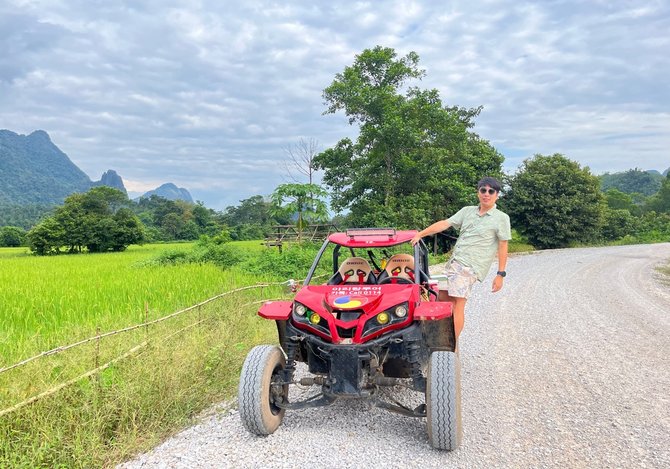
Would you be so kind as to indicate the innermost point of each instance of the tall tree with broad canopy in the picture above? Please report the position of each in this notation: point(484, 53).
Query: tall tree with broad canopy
point(98, 220)
point(554, 202)
point(415, 161)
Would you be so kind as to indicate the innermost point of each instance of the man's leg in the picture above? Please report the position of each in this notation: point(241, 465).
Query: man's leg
point(458, 310)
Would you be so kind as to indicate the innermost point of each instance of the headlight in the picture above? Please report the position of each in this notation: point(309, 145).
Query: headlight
point(315, 318)
point(393, 315)
point(383, 318)
point(400, 311)
point(300, 310)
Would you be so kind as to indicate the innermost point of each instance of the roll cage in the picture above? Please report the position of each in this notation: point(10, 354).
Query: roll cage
point(359, 241)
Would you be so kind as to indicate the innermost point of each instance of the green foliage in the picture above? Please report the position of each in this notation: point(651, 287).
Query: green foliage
point(618, 200)
point(554, 202)
point(293, 261)
point(251, 219)
point(415, 161)
point(302, 201)
point(46, 237)
point(34, 171)
point(632, 181)
point(618, 223)
point(23, 216)
point(660, 202)
point(222, 255)
point(177, 220)
point(214, 250)
point(12, 236)
point(217, 251)
point(654, 227)
point(170, 257)
point(96, 220)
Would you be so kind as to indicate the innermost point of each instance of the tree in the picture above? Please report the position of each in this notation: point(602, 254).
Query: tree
point(251, 219)
point(97, 220)
point(554, 202)
point(301, 201)
point(415, 160)
point(46, 237)
point(618, 200)
point(12, 236)
point(618, 223)
point(660, 202)
point(300, 159)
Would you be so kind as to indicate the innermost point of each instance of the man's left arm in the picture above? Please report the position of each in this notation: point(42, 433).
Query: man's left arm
point(502, 263)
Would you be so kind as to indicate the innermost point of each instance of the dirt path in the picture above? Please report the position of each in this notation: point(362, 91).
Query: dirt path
point(567, 366)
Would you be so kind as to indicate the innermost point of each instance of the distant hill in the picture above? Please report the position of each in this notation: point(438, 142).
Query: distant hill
point(36, 176)
point(34, 171)
point(171, 192)
point(111, 179)
point(633, 181)
point(664, 173)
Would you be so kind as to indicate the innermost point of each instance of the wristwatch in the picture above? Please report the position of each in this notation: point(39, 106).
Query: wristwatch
point(502, 273)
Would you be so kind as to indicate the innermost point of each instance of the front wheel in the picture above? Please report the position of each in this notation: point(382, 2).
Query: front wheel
point(260, 390)
point(443, 401)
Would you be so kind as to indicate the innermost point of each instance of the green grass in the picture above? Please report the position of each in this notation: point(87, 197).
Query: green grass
point(48, 301)
point(188, 362)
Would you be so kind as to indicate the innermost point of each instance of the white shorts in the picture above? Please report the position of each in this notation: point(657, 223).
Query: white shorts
point(460, 280)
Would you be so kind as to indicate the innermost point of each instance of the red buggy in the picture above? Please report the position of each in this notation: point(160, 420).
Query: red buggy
point(375, 322)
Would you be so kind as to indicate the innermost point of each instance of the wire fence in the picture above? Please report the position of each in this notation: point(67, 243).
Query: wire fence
point(290, 284)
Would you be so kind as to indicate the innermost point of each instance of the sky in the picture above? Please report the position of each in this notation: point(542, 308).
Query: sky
point(210, 94)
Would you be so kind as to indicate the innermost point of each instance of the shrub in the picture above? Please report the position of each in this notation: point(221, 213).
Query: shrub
point(12, 236)
point(293, 262)
point(221, 255)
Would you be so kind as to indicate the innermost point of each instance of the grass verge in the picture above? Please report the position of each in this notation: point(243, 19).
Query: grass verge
point(180, 366)
point(187, 364)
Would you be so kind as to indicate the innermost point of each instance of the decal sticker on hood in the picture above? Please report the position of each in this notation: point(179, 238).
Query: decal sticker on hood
point(353, 296)
point(349, 302)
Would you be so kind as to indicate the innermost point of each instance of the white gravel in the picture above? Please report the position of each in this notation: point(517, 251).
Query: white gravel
point(567, 366)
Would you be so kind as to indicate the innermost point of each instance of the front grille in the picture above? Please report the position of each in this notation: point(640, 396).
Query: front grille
point(346, 333)
point(348, 315)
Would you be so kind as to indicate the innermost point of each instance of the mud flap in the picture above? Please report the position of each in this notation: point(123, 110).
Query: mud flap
point(439, 335)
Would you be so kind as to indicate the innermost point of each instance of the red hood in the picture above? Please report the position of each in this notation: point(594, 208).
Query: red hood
point(369, 298)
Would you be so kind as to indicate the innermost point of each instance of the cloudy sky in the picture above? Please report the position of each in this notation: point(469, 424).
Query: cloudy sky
point(208, 94)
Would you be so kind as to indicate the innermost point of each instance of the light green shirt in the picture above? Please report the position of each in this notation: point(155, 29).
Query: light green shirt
point(477, 243)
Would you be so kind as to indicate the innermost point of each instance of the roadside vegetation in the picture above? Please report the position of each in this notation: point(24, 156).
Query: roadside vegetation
point(665, 272)
point(179, 366)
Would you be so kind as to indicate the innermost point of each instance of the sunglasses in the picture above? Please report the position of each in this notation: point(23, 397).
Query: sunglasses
point(484, 190)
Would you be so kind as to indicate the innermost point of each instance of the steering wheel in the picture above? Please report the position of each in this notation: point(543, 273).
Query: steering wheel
point(386, 280)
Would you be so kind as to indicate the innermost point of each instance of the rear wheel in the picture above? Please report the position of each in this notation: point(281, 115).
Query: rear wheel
point(443, 401)
point(259, 393)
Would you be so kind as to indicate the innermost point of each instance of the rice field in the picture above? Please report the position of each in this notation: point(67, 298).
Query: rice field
point(58, 411)
point(50, 301)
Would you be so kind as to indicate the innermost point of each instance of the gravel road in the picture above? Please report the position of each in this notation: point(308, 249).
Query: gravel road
point(567, 366)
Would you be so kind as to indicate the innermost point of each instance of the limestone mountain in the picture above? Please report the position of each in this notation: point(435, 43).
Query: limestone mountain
point(171, 192)
point(35, 171)
point(35, 176)
point(111, 179)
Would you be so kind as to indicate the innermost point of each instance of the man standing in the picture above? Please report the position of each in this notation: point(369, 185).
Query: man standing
point(484, 231)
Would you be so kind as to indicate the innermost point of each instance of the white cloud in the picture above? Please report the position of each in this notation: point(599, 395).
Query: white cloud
point(206, 94)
